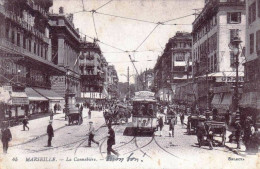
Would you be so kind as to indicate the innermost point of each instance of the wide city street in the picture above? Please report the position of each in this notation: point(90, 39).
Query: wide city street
point(69, 148)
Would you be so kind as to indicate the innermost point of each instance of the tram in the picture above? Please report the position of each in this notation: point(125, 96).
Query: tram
point(144, 113)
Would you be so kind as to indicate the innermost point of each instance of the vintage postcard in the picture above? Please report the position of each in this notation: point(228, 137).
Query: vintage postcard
point(165, 84)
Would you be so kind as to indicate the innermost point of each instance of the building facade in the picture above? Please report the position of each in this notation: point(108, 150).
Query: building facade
point(213, 61)
point(25, 62)
point(250, 101)
point(112, 82)
point(173, 67)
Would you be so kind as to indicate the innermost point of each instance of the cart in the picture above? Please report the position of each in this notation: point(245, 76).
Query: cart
point(193, 123)
point(75, 118)
point(218, 128)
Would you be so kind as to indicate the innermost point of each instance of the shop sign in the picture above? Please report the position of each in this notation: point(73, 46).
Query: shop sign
point(229, 79)
point(19, 101)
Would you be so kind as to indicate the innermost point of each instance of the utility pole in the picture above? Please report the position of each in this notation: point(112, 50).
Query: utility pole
point(128, 82)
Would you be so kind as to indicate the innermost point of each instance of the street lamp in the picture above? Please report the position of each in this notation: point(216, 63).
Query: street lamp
point(234, 46)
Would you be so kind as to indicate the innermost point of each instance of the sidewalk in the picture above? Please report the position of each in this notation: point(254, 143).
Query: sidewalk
point(38, 128)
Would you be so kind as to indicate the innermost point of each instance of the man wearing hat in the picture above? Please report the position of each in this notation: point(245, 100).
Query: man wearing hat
point(6, 136)
point(25, 123)
point(50, 133)
point(91, 134)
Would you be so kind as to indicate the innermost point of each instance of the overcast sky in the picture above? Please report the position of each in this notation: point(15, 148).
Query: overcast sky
point(129, 34)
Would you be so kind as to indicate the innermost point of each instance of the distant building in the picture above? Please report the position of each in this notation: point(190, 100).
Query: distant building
point(173, 67)
point(112, 82)
point(145, 80)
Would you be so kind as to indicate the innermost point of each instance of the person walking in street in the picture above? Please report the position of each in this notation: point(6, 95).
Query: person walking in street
point(171, 127)
point(209, 136)
point(161, 125)
point(50, 133)
point(51, 114)
point(111, 141)
point(182, 119)
point(6, 136)
point(91, 134)
point(25, 123)
point(89, 114)
point(55, 108)
point(227, 115)
point(238, 134)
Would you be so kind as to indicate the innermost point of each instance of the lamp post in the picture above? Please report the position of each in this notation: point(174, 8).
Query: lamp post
point(234, 45)
point(66, 93)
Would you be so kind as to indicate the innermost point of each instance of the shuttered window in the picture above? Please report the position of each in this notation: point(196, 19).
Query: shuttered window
point(234, 33)
point(258, 8)
point(251, 43)
point(258, 42)
point(233, 17)
point(252, 13)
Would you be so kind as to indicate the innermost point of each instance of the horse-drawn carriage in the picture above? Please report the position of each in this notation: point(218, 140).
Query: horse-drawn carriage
point(213, 128)
point(118, 115)
point(193, 123)
point(74, 116)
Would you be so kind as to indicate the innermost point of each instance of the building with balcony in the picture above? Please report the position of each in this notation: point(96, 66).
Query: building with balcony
point(25, 61)
point(92, 65)
point(173, 67)
point(65, 52)
point(113, 92)
point(213, 61)
point(250, 101)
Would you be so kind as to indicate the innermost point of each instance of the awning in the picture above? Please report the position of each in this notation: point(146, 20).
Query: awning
point(216, 99)
point(4, 96)
point(49, 94)
point(19, 98)
point(33, 95)
point(226, 101)
point(250, 99)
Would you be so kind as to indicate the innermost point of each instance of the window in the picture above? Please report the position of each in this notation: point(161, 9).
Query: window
point(180, 57)
point(12, 36)
point(7, 31)
point(252, 13)
point(234, 17)
point(30, 45)
point(234, 33)
point(258, 42)
point(258, 8)
point(251, 43)
point(18, 39)
point(34, 48)
point(232, 59)
point(24, 42)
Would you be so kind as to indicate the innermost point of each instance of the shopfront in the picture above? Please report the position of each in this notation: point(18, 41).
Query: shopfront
point(37, 103)
point(53, 98)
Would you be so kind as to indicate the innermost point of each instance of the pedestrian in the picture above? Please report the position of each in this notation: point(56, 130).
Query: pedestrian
point(50, 133)
point(91, 134)
point(227, 117)
point(171, 127)
point(25, 122)
point(209, 131)
point(238, 134)
point(182, 119)
point(55, 108)
point(89, 114)
point(111, 141)
point(161, 125)
point(6, 136)
point(51, 114)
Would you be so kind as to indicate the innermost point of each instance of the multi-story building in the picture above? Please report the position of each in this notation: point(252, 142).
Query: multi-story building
point(213, 61)
point(91, 67)
point(145, 80)
point(65, 51)
point(251, 91)
point(174, 66)
point(24, 49)
point(112, 82)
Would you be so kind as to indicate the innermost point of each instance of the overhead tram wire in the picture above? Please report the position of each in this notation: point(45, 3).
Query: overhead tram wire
point(94, 24)
point(103, 5)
